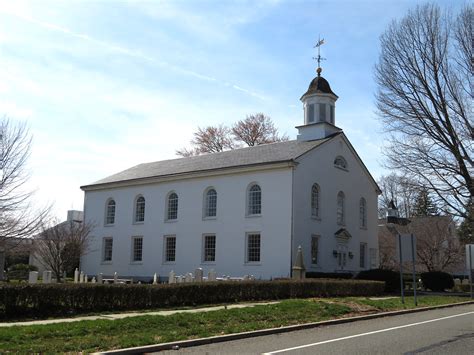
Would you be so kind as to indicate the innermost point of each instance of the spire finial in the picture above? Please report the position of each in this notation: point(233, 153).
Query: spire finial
point(319, 58)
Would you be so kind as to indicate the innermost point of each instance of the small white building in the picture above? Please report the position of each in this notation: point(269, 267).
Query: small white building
point(241, 212)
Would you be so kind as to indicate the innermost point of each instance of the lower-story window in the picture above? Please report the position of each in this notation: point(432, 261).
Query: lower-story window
point(170, 248)
point(363, 251)
point(137, 248)
point(253, 247)
point(314, 249)
point(209, 248)
point(373, 258)
point(108, 244)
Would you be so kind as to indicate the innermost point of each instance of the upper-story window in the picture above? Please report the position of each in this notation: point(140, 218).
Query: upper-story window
point(315, 200)
point(210, 203)
point(172, 207)
point(310, 113)
point(140, 209)
point(254, 200)
point(332, 108)
point(362, 213)
point(322, 112)
point(340, 162)
point(110, 212)
point(340, 208)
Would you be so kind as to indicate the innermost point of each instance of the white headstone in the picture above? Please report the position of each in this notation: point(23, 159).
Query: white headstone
point(45, 277)
point(76, 275)
point(211, 276)
point(198, 275)
point(81, 277)
point(155, 278)
point(85, 278)
point(33, 277)
point(99, 278)
point(171, 277)
point(93, 280)
point(188, 277)
point(115, 277)
point(179, 279)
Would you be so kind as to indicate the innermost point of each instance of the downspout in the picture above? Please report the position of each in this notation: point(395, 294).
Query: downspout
point(292, 216)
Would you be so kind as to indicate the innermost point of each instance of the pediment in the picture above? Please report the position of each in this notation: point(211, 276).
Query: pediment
point(342, 235)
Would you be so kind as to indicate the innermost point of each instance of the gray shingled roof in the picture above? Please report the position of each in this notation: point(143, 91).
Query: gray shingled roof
point(261, 154)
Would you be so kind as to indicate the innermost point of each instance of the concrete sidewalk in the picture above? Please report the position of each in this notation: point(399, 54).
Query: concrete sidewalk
point(115, 316)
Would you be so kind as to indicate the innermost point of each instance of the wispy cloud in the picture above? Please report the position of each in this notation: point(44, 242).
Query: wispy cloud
point(128, 52)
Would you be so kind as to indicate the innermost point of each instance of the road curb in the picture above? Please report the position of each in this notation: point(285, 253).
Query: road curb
point(262, 332)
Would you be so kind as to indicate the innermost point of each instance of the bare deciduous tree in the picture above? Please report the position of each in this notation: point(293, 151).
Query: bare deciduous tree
point(61, 246)
point(401, 190)
point(254, 130)
point(424, 98)
point(18, 218)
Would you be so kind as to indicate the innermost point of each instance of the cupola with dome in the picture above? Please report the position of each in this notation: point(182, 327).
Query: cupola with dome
point(319, 104)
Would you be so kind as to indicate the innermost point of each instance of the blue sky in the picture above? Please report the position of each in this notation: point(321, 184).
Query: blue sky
point(105, 85)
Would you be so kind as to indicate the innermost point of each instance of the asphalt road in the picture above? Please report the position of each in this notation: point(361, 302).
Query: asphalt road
point(443, 331)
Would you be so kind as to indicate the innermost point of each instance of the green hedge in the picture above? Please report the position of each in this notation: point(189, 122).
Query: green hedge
point(437, 280)
point(18, 301)
point(391, 278)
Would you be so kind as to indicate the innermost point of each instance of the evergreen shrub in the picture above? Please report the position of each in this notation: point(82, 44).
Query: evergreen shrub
point(437, 280)
point(42, 300)
point(390, 277)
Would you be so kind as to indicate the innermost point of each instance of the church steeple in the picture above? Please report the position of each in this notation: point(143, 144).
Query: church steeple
point(319, 104)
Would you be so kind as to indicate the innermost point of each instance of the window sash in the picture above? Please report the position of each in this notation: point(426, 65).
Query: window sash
point(211, 204)
point(310, 113)
point(315, 201)
point(253, 248)
point(137, 249)
point(363, 213)
point(322, 112)
point(314, 249)
point(209, 248)
point(172, 207)
point(255, 200)
point(170, 249)
point(373, 258)
point(110, 217)
point(108, 247)
point(363, 249)
point(140, 210)
point(340, 208)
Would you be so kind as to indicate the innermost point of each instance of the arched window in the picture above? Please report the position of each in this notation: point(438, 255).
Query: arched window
point(140, 209)
point(340, 207)
point(110, 212)
point(210, 203)
point(172, 207)
point(254, 205)
point(363, 213)
point(315, 200)
point(340, 162)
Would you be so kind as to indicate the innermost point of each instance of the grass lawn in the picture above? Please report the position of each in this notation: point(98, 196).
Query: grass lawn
point(89, 336)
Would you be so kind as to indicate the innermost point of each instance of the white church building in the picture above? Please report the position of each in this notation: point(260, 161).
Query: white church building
point(243, 211)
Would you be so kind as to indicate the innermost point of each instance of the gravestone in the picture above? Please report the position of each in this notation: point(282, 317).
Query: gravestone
point(76, 275)
point(33, 277)
point(155, 279)
point(115, 277)
point(81, 277)
point(198, 275)
point(99, 278)
point(93, 280)
point(188, 277)
point(171, 277)
point(211, 276)
point(46, 277)
point(85, 278)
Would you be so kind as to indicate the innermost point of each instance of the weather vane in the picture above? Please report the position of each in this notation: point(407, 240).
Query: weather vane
point(319, 58)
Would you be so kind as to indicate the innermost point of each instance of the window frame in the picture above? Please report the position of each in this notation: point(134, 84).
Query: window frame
point(133, 250)
point(207, 204)
point(167, 207)
point(341, 221)
point(204, 248)
point(107, 205)
point(315, 210)
point(247, 250)
point(311, 117)
point(344, 166)
point(373, 258)
point(104, 245)
point(136, 209)
point(165, 248)
point(249, 199)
